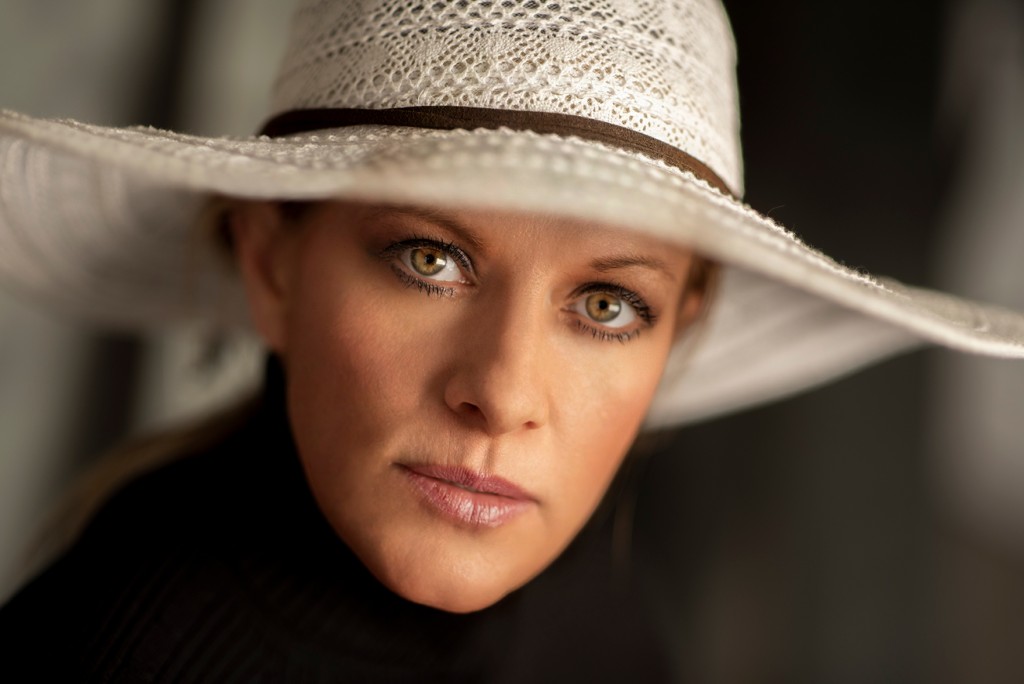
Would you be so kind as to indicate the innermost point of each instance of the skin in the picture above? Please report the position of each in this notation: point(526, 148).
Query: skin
point(496, 366)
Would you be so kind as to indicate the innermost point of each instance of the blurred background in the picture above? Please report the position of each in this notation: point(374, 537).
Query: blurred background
point(869, 531)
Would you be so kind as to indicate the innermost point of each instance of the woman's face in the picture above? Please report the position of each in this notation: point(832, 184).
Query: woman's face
point(462, 385)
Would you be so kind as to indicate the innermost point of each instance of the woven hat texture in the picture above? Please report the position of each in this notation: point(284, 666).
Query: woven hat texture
point(665, 69)
point(100, 221)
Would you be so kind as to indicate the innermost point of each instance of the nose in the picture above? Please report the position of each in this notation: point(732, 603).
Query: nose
point(498, 379)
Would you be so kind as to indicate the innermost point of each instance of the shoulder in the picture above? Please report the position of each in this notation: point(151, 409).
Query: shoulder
point(176, 492)
point(158, 540)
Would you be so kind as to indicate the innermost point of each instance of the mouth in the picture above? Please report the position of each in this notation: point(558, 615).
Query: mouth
point(466, 497)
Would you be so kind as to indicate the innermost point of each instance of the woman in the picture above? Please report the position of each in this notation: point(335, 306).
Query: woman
point(489, 372)
point(489, 273)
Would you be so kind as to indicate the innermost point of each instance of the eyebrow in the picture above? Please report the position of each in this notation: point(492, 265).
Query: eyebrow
point(464, 234)
point(632, 261)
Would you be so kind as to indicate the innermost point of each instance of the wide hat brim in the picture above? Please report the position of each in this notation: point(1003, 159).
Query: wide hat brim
point(99, 221)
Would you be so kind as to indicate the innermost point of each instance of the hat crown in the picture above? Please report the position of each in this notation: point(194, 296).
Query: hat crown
point(664, 69)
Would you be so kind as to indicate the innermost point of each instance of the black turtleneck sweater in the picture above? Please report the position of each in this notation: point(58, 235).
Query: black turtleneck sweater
point(219, 567)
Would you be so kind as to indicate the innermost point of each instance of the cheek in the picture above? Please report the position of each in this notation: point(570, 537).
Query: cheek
point(347, 363)
point(599, 423)
point(353, 384)
point(348, 352)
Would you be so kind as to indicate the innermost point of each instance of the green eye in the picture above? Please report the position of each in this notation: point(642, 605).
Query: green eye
point(427, 261)
point(603, 307)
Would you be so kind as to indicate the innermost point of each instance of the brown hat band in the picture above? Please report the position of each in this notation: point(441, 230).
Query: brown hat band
point(449, 118)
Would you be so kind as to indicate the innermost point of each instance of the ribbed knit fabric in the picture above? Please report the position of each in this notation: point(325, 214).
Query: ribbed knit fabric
point(220, 568)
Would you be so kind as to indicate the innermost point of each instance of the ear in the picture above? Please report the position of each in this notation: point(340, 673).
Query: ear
point(265, 252)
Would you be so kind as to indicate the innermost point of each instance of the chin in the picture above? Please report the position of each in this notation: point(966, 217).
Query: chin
point(454, 602)
point(460, 587)
point(450, 592)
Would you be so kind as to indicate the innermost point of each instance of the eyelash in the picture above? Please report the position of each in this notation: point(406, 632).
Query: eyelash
point(425, 286)
point(392, 251)
point(643, 311)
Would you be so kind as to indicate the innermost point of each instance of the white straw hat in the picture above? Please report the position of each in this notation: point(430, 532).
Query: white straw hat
point(618, 111)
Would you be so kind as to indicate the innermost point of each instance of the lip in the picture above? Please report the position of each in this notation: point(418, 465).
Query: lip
point(466, 497)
